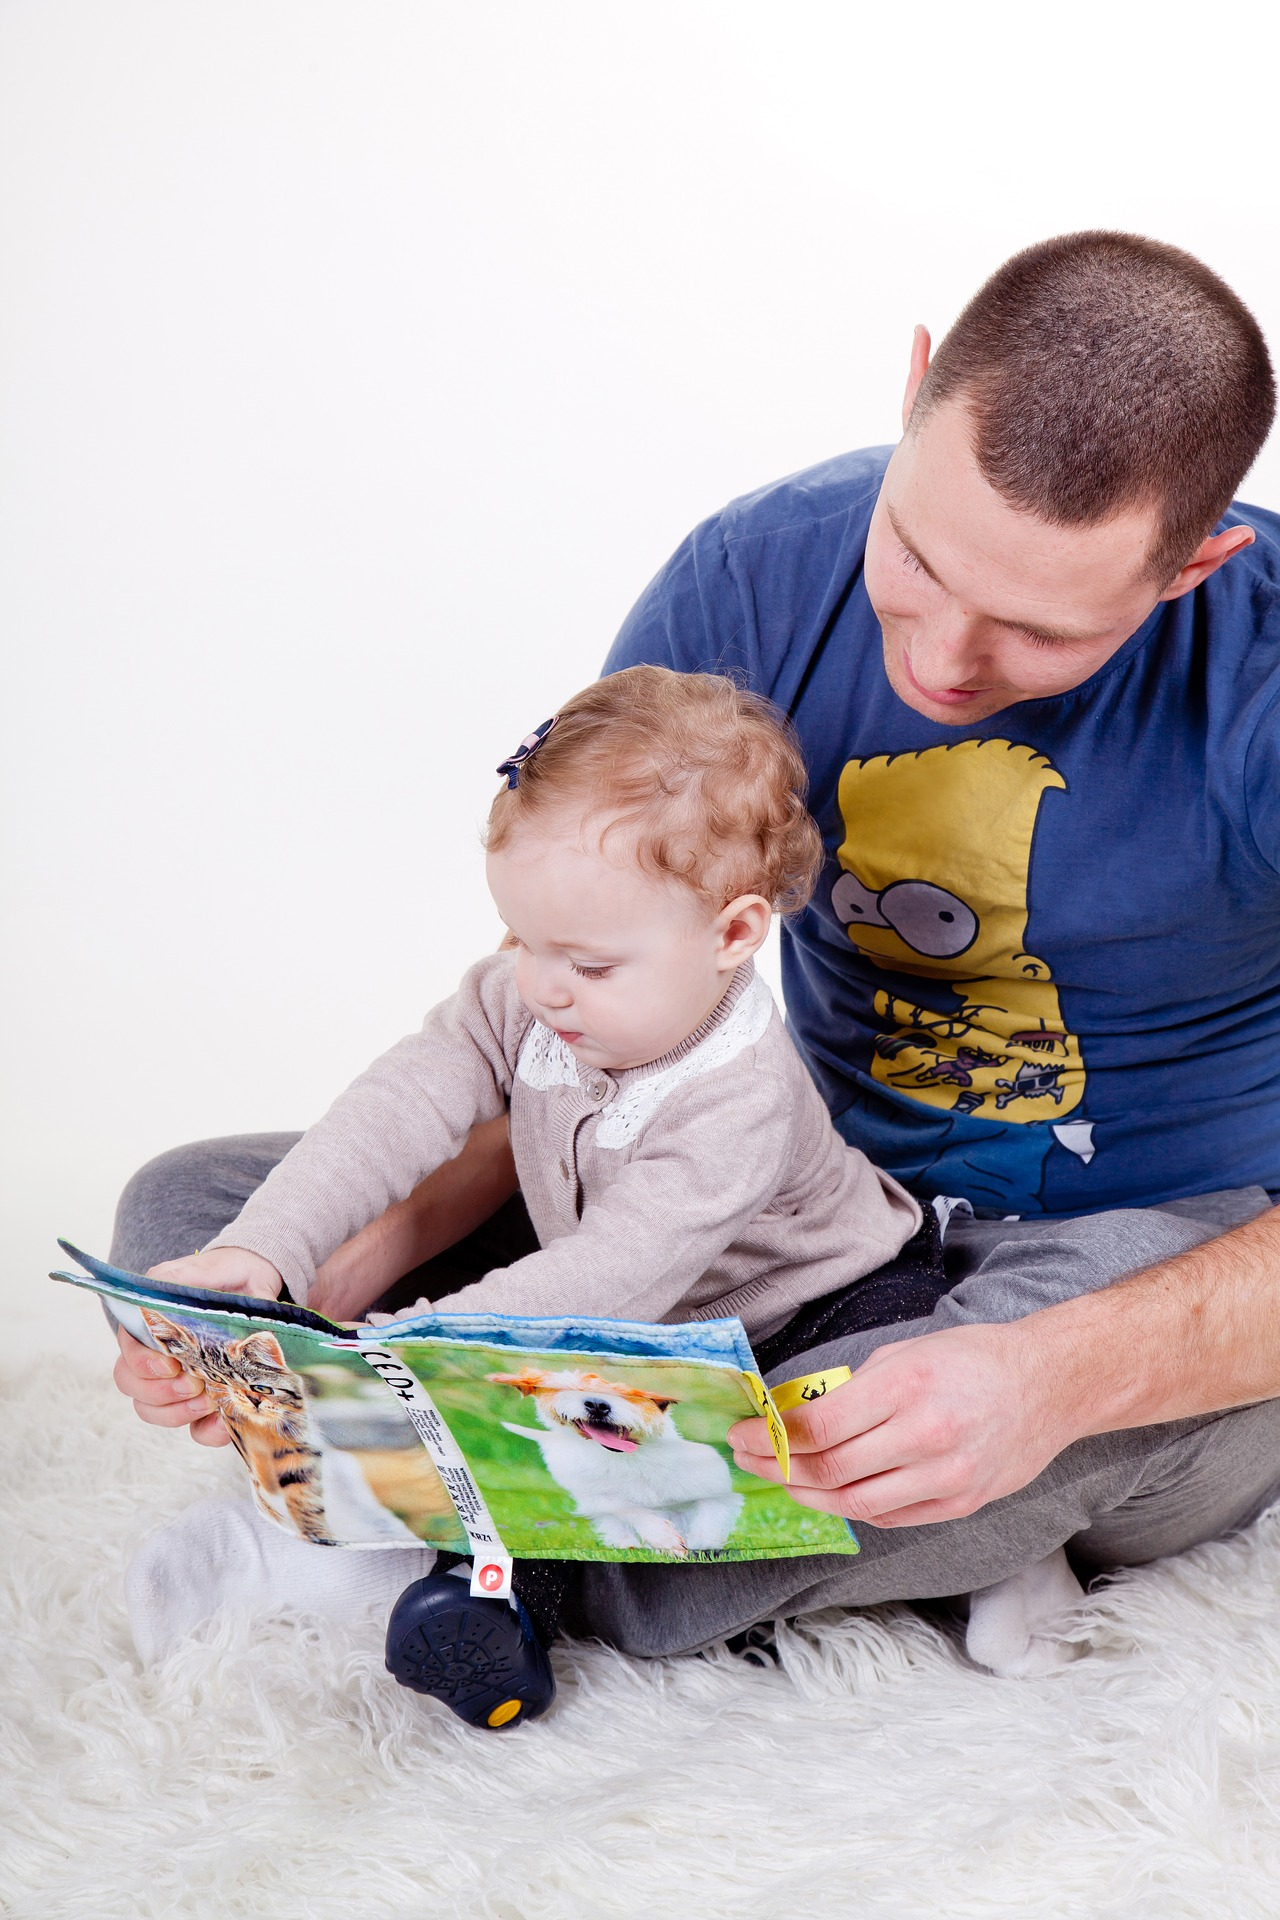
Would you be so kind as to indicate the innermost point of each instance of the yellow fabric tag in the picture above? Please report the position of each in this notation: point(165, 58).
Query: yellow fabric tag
point(773, 1420)
point(810, 1386)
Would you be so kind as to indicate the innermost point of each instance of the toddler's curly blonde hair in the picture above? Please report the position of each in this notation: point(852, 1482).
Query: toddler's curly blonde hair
point(707, 777)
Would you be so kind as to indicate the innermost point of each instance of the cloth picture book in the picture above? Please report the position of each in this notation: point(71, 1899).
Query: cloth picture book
point(487, 1434)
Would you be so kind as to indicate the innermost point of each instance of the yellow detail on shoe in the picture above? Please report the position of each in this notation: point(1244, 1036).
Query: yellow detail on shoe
point(507, 1711)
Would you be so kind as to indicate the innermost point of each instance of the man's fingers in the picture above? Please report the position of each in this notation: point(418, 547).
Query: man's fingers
point(930, 1447)
point(751, 1436)
point(872, 1396)
point(907, 1498)
point(859, 1405)
point(763, 1463)
point(850, 1452)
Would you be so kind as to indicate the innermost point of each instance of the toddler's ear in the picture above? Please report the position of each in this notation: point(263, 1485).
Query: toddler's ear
point(743, 927)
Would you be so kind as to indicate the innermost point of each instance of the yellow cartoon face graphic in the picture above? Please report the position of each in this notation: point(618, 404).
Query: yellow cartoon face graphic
point(935, 859)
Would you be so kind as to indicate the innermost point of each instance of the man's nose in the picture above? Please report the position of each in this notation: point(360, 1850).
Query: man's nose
point(949, 649)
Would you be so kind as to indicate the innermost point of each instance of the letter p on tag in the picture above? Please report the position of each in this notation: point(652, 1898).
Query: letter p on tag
point(491, 1576)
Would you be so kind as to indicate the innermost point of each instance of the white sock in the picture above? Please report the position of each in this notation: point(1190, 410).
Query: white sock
point(1014, 1627)
point(222, 1553)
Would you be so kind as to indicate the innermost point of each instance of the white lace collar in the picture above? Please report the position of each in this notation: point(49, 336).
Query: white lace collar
point(545, 1061)
point(736, 1023)
point(636, 1102)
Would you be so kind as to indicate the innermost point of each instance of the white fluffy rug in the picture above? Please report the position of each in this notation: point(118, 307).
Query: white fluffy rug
point(272, 1769)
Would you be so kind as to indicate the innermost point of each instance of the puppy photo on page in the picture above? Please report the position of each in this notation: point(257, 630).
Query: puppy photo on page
point(631, 1474)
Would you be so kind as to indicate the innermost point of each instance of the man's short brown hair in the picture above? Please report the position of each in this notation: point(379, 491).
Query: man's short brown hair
point(1105, 371)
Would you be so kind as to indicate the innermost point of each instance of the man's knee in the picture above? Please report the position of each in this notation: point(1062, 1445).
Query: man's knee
point(1202, 1480)
point(177, 1201)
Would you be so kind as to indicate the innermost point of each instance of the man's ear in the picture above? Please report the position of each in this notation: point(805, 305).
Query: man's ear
point(921, 346)
point(1207, 558)
point(743, 927)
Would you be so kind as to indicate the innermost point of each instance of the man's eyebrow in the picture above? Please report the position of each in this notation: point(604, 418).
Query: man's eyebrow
point(1061, 634)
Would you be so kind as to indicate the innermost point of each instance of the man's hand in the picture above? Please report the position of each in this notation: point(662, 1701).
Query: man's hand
point(927, 1429)
point(162, 1394)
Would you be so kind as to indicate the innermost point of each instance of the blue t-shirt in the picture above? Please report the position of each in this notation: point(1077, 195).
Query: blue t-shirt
point(1042, 966)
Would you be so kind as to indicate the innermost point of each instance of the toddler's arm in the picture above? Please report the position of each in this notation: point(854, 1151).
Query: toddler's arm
point(407, 1115)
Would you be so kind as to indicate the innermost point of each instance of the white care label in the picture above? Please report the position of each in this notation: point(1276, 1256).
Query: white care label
point(492, 1576)
point(490, 1561)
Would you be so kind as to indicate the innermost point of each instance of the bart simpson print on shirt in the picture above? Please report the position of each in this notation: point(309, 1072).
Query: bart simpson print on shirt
point(936, 859)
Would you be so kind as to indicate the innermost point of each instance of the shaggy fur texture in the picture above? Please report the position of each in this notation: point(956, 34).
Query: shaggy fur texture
point(277, 1770)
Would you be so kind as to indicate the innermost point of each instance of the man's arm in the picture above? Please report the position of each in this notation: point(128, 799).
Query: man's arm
point(936, 1427)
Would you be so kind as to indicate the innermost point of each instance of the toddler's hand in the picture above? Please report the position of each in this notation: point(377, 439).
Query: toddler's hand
point(162, 1394)
point(223, 1270)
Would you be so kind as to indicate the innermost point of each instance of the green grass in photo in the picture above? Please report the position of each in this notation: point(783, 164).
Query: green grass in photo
point(535, 1515)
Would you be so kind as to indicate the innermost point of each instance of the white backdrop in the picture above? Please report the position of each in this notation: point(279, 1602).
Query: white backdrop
point(360, 360)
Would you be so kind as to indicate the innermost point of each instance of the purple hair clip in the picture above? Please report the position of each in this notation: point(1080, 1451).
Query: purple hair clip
point(527, 746)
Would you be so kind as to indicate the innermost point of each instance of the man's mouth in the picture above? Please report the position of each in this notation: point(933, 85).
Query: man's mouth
point(613, 1438)
point(943, 696)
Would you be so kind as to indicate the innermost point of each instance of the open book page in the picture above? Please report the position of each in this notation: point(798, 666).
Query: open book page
point(536, 1438)
point(331, 1453)
point(591, 1454)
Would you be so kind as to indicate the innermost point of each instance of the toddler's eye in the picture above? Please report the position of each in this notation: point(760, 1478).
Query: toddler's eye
point(591, 973)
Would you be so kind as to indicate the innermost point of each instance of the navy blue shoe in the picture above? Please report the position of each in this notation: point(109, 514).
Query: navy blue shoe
point(481, 1656)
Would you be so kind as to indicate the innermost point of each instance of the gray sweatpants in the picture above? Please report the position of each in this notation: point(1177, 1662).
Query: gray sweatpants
point(1118, 1499)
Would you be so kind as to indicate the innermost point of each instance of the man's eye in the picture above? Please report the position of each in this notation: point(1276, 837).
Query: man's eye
point(592, 973)
point(1038, 639)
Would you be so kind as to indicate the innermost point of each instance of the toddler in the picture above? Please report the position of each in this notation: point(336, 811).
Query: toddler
point(675, 1157)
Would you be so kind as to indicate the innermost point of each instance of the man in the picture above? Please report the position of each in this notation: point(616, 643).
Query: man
point(1033, 656)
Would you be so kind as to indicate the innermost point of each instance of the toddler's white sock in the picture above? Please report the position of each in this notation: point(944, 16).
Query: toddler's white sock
point(222, 1553)
point(1014, 1626)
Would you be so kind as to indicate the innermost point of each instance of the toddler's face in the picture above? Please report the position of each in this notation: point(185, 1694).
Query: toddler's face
point(622, 965)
